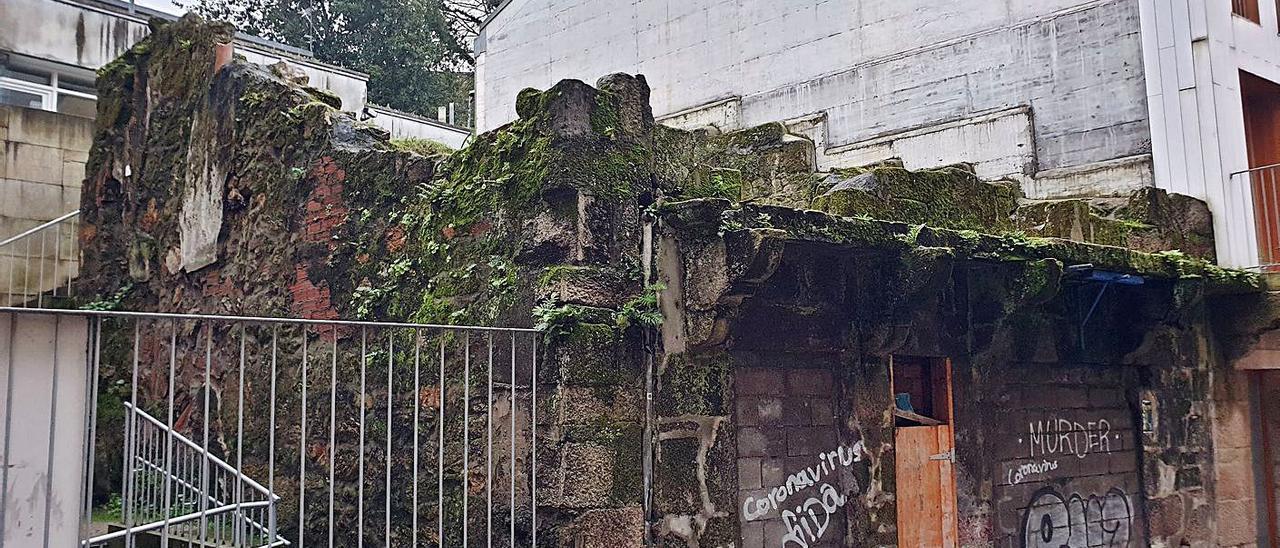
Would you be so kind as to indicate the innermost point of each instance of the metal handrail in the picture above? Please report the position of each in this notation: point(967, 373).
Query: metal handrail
point(37, 229)
point(32, 272)
point(1262, 184)
point(220, 507)
point(262, 319)
point(1254, 169)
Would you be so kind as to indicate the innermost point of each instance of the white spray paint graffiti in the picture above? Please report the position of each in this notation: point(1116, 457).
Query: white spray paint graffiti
point(828, 463)
point(1098, 521)
point(810, 520)
point(1057, 436)
point(1030, 469)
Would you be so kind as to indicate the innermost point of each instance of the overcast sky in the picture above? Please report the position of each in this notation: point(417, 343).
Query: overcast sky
point(162, 5)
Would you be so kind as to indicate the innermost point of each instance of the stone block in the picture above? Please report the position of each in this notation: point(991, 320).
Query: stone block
point(749, 473)
point(611, 528)
point(1237, 522)
point(35, 163)
point(588, 472)
point(1234, 471)
point(759, 381)
point(816, 382)
point(28, 200)
point(759, 411)
point(809, 441)
point(75, 134)
point(37, 127)
point(762, 442)
point(72, 174)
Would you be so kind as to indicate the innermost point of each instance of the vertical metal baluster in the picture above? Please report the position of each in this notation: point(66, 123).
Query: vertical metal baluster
point(466, 438)
point(8, 414)
point(26, 272)
point(40, 281)
point(302, 446)
point(95, 356)
point(131, 441)
point(205, 486)
point(360, 406)
point(488, 459)
point(417, 407)
point(238, 536)
point(440, 456)
point(53, 431)
point(12, 259)
point(168, 443)
point(511, 523)
point(1263, 189)
point(533, 443)
point(1273, 231)
point(333, 425)
point(271, 443)
point(57, 256)
point(391, 352)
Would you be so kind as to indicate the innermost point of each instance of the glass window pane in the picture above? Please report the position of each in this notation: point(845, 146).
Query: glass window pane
point(24, 75)
point(75, 84)
point(20, 98)
point(77, 106)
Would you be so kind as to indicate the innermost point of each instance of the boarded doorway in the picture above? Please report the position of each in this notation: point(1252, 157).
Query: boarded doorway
point(925, 452)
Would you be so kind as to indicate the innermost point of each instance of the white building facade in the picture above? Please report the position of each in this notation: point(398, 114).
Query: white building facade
point(50, 50)
point(1068, 97)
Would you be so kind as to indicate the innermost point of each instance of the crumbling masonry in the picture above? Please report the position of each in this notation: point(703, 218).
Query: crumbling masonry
point(760, 303)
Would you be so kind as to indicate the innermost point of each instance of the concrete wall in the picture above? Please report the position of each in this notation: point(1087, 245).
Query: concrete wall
point(403, 125)
point(872, 68)
point(43, 370)
point(40, 176)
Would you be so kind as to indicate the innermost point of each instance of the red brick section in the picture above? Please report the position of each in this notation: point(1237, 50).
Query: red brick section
point(311, 301)
point(325, 209)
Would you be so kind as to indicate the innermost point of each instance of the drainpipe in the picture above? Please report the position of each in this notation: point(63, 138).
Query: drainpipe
point(650, 349)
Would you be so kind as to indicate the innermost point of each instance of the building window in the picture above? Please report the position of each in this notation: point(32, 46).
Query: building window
point(1247, 9)
point(47, 90)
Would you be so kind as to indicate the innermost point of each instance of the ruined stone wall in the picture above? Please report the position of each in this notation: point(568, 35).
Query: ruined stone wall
point(1064, 455)
point(684, 266)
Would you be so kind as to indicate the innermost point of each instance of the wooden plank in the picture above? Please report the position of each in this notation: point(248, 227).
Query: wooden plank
point(920, 501)
point(947, 484)
point(923, 420)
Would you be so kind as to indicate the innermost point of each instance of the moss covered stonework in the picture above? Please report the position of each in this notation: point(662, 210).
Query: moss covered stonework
point(767, 301)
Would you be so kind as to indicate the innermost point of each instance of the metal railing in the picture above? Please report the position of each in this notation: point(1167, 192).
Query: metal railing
point(1247, 9)
point(40, 263)
point(215, 504)
point(1263, 184)
point(245, 431)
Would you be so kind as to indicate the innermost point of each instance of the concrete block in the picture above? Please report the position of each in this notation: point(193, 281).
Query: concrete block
point(27, 200)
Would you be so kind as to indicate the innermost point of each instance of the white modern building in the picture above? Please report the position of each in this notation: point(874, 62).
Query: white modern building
point(49, 50)
point(1069, 97)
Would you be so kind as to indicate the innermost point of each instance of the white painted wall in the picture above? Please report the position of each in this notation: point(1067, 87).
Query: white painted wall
point(1194, 50)
point(873, 67)
point(43, 374)
point(403, 124)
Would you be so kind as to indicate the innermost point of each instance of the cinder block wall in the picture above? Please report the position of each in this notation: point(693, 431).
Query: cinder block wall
point(40, 176)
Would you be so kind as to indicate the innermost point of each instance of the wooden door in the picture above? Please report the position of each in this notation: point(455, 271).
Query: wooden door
point(926, 487)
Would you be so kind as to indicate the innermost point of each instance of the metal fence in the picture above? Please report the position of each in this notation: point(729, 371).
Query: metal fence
point(1264, 185)
point(40, 263)
point(238, 431)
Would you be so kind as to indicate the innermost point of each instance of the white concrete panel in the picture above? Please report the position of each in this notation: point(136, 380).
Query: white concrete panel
point(45, 364)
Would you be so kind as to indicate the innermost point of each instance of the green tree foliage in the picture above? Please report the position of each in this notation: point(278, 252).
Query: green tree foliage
point(417, 52)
